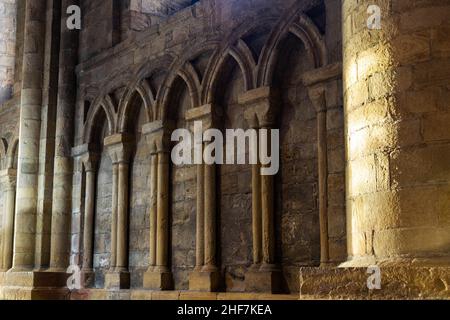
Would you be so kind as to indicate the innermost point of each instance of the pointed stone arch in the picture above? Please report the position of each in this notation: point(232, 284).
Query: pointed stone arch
point(102, 110)
point(234, 47)
point(296, 23)
point(142, 91)
point(183, 69)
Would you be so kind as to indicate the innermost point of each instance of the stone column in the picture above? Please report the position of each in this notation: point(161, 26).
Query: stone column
point(265, 275)
point(158, 275)
point(210, 219)
point(122, 218)
point(162, 221)
point(268, 220)
point(119, 147)
point(63, 170)
point(29, 136)
point(396, 82)
point(322, 88)
point(206, 275)
point(256, 217)
point(200, 219)
point(8, 181)
point(153, 207)
point(47, 139)
point(114, 210)
point(90, 163)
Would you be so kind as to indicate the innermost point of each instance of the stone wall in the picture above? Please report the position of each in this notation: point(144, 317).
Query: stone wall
point(100, 26)
point(7, 47)
point(220, 54)
point(139, 242)
point(11, 14)
point(198, 36)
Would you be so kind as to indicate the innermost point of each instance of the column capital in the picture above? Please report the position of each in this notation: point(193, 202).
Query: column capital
point(157, 135)
point(208, 114)
point(261, 106)
point(90, 161)
point(323, 86)
point(81, 150)
point(119, 147)
point(8, 178)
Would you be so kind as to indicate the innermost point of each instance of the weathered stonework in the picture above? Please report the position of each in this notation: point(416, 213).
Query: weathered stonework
point(85, 146)
point(8, 16)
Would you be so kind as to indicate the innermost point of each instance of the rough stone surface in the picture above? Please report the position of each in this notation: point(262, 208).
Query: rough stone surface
point(8, 17)
point(396, 96)
point(396, 283)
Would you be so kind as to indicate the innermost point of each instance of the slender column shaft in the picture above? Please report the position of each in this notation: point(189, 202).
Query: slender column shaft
point(113, 262)
point(200, 238)
point(122, 218)
point(89, 222)
point(323, 185)
point(267, 209)
point(8, 227)
point(153, 207)
point(29, 135)
point(210, 215)
point(163, 211)
point(268, 239)
point(256, 214)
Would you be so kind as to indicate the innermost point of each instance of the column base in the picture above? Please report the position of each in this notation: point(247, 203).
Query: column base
point(87, 278)
point(117, 280)
point(399, 282)
point(32, 285)
point(160, 280)
point(266, 279)
point(205, 281)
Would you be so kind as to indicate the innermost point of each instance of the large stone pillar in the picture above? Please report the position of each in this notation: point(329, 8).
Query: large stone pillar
point(29, 135)
point(323, 85)
point(119, 147)
point(206, 276)
point(63, 171)
point(47, 136)
point(158, 275)
point(396, 82)
point(8, 183)
point(265, 275)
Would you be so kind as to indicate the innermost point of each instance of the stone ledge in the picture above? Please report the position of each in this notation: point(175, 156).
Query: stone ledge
point(34, 279)
point(396, 283)
point(101, 294)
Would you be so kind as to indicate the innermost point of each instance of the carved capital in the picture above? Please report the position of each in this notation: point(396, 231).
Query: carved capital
point(84, 156)
point(324, 86)
point(208, 114)
point(261, 107)
point(119, 147)
point(157, 135)
point(81, 150)
point(8, 178)
point(90, 161)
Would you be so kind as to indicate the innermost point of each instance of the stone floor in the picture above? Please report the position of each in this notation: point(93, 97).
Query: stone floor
point(401, 282)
